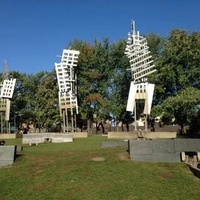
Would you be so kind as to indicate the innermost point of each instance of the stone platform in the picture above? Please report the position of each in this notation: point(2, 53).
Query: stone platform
point(7, 155)
point(10, 135)
point(162, 150)
point(36, 138)
point(141, 134)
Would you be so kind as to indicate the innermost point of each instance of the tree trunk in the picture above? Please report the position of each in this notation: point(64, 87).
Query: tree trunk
point(122, 128)
point(88, 126)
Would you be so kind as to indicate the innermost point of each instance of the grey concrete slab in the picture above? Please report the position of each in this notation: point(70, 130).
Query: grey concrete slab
point(140, 147)
point(187, 145)
point(156, 157)
point(48, 135)
point(32, 138)
point(36, 138)
point(62, 137)
point(106, 144)
point(166, 157)
point(7, 155)
point(162, 150)
point(19, 148)
point(67, 137)
point(163, 145)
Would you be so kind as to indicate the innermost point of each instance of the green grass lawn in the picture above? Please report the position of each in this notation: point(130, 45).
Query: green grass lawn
point(82, 170)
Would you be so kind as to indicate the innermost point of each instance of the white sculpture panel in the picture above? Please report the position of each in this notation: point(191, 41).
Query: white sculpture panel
point(141, 65)
point(8, 88)
point(66, 77)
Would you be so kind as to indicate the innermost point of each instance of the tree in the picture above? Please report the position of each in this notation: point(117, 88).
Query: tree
point(90, 78)
point(178, 64)
point(177, 67)
point(24, 100)
point(46, 109)
point(183, 106)
point(36, 99)
point(119, 83)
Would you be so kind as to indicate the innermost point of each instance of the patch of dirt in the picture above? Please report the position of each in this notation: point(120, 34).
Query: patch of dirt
point(165, 175)
point(123, 156)
point(69, 153)
point(98, 159)
point(40, 163)
point(43, 186)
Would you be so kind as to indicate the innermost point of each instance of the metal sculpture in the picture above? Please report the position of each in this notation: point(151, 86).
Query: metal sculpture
point(67, 79)
point(6, 93)
point(141, 65)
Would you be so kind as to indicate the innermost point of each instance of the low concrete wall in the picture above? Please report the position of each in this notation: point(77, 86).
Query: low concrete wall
point(122, 135)
point(136, 134)
point(161, 150)
point(120, 143)
point(80, 135)
point(36, 138)
point(7, 155)
point(62, 137)
point(10, 136)
point(14, 136)
point(33, 138)
point(160, 135)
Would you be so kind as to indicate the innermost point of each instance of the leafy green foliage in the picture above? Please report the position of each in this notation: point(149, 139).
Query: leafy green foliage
point(181, 107)
point(35, 100)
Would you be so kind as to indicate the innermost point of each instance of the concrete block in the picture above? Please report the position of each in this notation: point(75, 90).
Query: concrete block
point(48, 135)
point(19, 148)
point(67, 137)
point(163, 146)
point(160, 135)
point(34, 138)
point(62, 137)
point(57, 139)
point(166, 157)
point(106, 144)
point(163, 150)
point(10, 136)
point(140, 147)
point(80, 134)
point(7, 155)
point(187, 145)
point(183, 157)
point(122, 135)
point(145, 134)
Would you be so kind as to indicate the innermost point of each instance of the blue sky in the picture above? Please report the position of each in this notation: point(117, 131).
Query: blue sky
point(33, 32)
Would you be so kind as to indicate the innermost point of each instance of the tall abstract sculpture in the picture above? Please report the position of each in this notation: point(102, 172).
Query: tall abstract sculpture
point(65, 71)
point(141, 65)
point(6, 93)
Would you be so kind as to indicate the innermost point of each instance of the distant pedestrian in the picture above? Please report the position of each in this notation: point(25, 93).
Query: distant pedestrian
point(152, 125)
